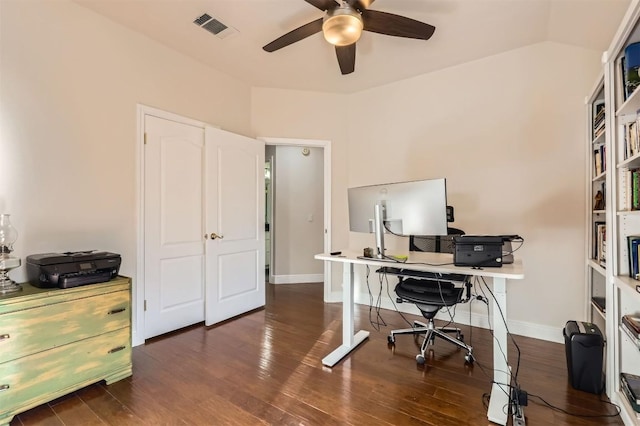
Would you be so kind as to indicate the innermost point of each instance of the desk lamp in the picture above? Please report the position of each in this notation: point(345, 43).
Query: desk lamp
point(8, 236)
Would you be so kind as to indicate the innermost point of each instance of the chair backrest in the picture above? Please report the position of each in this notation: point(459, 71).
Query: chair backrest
point(434, 243)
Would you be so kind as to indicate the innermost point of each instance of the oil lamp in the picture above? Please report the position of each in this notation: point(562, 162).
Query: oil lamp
point(8, 236)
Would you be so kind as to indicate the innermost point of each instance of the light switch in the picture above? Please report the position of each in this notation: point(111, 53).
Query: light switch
point(310, 217)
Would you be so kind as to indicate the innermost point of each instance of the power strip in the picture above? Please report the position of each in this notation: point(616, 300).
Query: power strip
point(518, 416)
point(520, 399)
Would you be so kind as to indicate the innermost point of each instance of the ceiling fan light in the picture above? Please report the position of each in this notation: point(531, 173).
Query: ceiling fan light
point(342, 27)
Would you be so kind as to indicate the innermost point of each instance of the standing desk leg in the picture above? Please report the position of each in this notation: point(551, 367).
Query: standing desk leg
point(499, 402)
point(349, 340)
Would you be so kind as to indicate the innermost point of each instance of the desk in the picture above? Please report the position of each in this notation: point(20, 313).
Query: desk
point(418, 261)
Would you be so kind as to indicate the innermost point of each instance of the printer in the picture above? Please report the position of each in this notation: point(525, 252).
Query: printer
point(483, 250)
point(477, 250)
point(72, 269)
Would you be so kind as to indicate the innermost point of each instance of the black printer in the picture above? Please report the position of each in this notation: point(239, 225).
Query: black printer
point(72, 269)
point(478, 250)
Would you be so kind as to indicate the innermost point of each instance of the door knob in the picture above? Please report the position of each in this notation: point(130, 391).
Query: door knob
point(214, 236)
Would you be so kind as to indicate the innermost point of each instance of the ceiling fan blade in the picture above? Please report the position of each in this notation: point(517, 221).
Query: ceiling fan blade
point(346, 58)
point(396, 25)
point(323, 4)
point(296, 35)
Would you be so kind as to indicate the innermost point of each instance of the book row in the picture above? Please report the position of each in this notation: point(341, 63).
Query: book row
point(629, 189)
point(599, 160)
point(598, 118)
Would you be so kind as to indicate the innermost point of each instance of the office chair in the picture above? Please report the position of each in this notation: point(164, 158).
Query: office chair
point(432, 291)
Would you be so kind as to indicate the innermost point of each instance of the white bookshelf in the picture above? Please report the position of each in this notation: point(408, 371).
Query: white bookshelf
point(614, 282)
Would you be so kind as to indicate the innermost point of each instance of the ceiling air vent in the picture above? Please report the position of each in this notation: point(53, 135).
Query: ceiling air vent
point(214, 26)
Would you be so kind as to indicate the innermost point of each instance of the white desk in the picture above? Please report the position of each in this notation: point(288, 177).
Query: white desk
point(498, 405)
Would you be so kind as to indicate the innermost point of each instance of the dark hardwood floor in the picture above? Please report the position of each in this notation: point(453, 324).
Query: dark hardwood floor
point(265, 368)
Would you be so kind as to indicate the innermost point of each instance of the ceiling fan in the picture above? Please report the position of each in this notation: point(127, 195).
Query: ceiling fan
point(343, 24)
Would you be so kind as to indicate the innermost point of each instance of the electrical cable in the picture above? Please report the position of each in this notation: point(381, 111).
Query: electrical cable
point(513, 340)
point(514, 377)
point(380, 320)
point(553, 407)
point(394, 303)
point(514, 398)
point(376, 324)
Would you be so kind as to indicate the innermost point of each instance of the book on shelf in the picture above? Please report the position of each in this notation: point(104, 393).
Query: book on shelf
point(635, 189)
point(630, 334)
point(625, 92)
point(631, 387)
point(598, 118)
point(625, 185)
point(631, 141)
point(598, 109)
point(632, 245)
point(597, 163)
point(632, 322)
point(600, 303)
point(599, 160)
point(600, 243)
point(631, 66)
point(630, 187)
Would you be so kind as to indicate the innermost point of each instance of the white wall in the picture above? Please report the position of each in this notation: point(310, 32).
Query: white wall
point(299, 214)
point(70, 83)
point(508, 134)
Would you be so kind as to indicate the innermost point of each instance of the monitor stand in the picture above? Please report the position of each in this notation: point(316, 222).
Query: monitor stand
point(378, 229)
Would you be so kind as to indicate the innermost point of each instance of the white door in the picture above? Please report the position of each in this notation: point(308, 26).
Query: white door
point(199, 182)
point(174, 220)
point(235, 219)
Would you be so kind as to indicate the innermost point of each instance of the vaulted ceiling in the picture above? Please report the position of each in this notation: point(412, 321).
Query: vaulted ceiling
point(466, 30)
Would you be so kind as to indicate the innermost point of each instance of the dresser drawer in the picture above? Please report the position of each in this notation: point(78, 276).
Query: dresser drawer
point(32, 378)
point(29, 331)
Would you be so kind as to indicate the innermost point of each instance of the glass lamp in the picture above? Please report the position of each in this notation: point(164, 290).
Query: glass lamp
point(343, 26)
point(8, 236)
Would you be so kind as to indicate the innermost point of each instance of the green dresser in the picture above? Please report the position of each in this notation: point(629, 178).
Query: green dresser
point(54, 341)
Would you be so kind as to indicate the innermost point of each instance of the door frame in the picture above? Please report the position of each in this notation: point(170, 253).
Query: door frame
point(138, 286)
point(326, 145)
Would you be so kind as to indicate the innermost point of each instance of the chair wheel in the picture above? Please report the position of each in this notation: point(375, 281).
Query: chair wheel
point(420, 359)
point(391, 339)
point(469, 358)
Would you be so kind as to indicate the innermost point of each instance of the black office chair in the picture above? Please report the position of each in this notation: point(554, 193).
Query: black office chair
point(432, 291)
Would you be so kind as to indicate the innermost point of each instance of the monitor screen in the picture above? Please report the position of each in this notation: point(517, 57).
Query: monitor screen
point(408, 208)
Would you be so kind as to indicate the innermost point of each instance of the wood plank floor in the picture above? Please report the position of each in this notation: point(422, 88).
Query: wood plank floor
point(265, 368)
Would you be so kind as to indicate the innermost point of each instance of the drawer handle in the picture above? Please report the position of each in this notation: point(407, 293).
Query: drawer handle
point(4, 387)
point(4, 336)
point(118, 349)
point(117, 311)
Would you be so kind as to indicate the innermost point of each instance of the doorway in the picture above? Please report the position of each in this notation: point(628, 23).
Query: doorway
point(315, 147)
point(268, 192)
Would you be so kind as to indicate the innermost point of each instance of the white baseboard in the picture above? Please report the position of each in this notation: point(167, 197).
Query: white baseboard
point(298, 279)
point(520, 328)
point(135, 340)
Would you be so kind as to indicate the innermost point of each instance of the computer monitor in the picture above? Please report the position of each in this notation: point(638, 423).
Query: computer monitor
point(403, 208)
